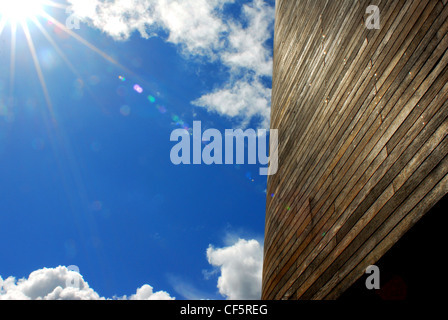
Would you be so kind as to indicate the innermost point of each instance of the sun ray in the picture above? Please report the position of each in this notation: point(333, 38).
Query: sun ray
point(90, 46)
point(86, 43)
point(55, 4)
point(65, 157)
point(62, 54)
point(2, 25)
point(61, 138)
point(56, 47)
point(83, 41)
point(42, 13)
point(12, 67)
point(38, 69)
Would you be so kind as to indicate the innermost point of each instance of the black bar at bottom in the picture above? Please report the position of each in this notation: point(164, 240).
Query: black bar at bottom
point(219, 309)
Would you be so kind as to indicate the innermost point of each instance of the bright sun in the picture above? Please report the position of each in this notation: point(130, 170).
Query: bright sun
point(16, 13)
point(20, 10)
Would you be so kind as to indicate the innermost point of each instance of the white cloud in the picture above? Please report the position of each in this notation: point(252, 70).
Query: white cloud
point(61, 284)
point(195, 25)
point(243, 99)
point(239, 266)
point(241, 269)
point(201, 28)
point(147, 293)
point(249, 59)
point(118, 18)
point(247, 45)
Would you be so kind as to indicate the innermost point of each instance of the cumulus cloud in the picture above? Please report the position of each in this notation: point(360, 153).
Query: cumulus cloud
point(241, 269)
point(200, 28)
point(242, 99)
point(147, 293)
point(62, 284)
point(247, 45)
point(119, 18)
point(195, 25)
point(249, 60)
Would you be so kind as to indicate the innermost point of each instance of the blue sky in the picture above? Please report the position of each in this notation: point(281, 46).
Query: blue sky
point(85, 171)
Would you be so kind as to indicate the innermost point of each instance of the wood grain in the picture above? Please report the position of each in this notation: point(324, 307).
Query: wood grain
point(362, 119)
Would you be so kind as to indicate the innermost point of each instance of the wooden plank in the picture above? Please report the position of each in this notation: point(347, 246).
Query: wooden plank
point(440, 190)
point(354, 243)
point(360, 114)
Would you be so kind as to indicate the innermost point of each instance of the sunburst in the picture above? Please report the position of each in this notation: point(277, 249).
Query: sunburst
point(27, 16)
point(20, 13)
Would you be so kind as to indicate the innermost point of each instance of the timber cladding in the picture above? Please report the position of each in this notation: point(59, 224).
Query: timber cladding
point(362, 116)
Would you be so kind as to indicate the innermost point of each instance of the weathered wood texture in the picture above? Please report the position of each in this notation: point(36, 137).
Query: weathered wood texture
point(363, 124)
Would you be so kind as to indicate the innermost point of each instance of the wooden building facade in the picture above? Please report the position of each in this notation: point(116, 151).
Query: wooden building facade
point(362, 116)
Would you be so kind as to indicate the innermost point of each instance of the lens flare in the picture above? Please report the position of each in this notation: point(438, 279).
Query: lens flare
point(138, 89)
